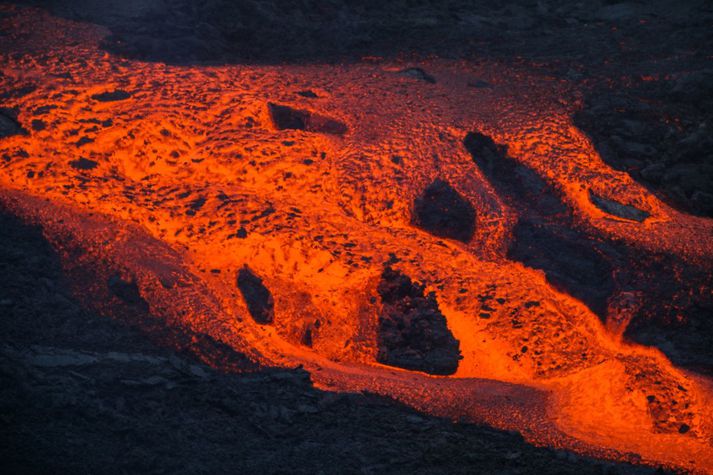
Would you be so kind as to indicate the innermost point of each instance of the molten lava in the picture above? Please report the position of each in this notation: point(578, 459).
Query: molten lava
point(363, 230)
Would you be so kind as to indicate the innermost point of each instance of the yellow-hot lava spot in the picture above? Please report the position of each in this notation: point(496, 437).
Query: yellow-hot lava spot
point(181, 176)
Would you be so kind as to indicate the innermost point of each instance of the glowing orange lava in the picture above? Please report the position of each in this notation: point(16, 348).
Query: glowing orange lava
point(187, 179)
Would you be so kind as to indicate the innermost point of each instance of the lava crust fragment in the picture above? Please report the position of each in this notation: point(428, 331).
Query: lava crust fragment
point(443, 212)
point(83, 164)
point(9, 125)
point(513, 180)
point(258, 298)
point(617, 209)
point(412, 332)
point(418, 73)
point(111, 96)
point(285, 117)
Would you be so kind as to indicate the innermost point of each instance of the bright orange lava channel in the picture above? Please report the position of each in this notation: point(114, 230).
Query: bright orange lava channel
point(158, 183)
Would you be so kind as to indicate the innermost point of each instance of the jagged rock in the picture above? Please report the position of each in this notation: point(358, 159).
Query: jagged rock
point(111, 96)
point(285, 117)
point(307, 93)
point(412, 332)
point(645, 130)
point(617, 11)
point(443, 212)
point(511, 178)
point(256, 295)
point(9, 125)
point(83, 164)
point(18, 92)
point(418, 73)
point(617, 209)
point(51, 359)
point(485, 152)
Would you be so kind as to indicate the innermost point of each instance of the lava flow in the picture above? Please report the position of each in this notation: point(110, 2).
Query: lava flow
point(377, 223)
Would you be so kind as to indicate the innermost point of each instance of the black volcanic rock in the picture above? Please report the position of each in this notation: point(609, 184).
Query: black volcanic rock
point(511, 178)
point(572, 262)
point(9, 125)
point(307, 93)
point(412, 332)
point(418, 73)
point(617, 209)
point(83, 164)
point(111, 96)
point(443, 212)
point(285, 117)
point(485, 152)
point(257, 296)
point(659, 132)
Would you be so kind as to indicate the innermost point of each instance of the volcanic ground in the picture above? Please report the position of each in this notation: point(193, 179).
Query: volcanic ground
point(512, 236)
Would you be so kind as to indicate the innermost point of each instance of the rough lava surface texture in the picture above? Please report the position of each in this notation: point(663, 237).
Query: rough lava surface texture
point(439, 232)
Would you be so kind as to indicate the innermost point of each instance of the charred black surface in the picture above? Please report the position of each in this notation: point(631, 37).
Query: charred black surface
point(513, 180)
point(9, 125)
point(83, 164)
point(487, 154)
point(570, 260)
point(418, 73)
point(676, 310)
point(443, 212)
point(257, 296)
point(111, 96)
point(544, 237)
point(285, 117)
point(618, 209)
point(659, 132)
point(412, 332)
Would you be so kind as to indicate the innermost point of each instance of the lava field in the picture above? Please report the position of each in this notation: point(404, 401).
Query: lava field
point(464, 237)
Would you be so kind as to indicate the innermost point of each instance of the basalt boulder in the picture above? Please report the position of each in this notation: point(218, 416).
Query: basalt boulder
point(412, 331)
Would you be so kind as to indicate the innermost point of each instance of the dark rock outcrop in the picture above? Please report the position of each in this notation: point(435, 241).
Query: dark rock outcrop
point(617, 209)
point(257, 296)
point(443, 212)
point(9, 125)
point(111, 96)
point(285, 117)
point(513, 180)
point(658, 131)
point(412, 332)
point(83, 164)
point(418, 73)
point(572, 262)
point(485, 152)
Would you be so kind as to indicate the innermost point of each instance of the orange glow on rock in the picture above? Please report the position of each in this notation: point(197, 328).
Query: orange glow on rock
point(183, 176)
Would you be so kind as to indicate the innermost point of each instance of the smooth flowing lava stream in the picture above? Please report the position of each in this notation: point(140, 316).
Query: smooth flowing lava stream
point(179, 177)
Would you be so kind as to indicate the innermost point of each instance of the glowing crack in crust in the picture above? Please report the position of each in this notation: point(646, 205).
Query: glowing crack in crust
point(183, 176)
